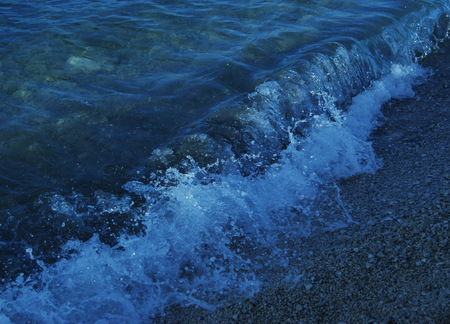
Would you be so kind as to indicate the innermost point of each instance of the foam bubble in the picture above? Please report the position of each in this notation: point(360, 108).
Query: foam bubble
point(201, 227)
point(211, 224)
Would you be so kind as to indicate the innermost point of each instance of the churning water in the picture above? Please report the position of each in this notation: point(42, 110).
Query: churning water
point(156, 152)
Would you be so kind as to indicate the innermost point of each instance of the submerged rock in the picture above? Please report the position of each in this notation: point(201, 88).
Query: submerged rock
point(78, 64)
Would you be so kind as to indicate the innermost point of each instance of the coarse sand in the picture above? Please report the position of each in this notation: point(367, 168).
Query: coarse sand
point(392, 264)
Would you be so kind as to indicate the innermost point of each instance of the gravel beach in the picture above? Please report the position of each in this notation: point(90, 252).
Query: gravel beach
point(392, 264)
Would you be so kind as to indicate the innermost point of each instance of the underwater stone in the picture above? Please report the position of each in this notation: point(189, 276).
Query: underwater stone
point(83, 65)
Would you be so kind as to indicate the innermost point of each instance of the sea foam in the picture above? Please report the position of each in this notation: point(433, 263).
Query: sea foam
point(209, 236)
point(210, 225)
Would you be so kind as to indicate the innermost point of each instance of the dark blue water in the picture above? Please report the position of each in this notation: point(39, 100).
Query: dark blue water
point(155, 152)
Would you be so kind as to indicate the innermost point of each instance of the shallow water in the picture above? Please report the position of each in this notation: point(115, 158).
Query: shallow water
point(90, 90)
point(155, 152)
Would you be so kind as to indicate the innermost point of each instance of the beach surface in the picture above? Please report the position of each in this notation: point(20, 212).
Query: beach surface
point(392, 264)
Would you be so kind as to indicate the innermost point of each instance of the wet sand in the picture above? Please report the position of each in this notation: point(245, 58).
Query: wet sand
point(392, 266)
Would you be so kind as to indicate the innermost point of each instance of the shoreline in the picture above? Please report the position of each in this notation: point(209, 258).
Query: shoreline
point(392, 266)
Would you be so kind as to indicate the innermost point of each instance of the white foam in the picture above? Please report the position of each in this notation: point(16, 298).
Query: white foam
point(187, 253)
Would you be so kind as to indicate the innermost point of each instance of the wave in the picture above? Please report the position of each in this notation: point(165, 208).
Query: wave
point(203, 221)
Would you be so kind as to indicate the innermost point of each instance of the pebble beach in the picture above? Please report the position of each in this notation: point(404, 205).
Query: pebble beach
point(391, 265)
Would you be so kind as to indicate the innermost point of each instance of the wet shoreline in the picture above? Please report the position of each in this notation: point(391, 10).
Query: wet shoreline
point(391, 265)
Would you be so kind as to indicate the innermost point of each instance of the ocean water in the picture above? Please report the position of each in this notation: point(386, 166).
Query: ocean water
point(163, 152)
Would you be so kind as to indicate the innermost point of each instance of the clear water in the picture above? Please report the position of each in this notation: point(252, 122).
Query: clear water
point(156, 152)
